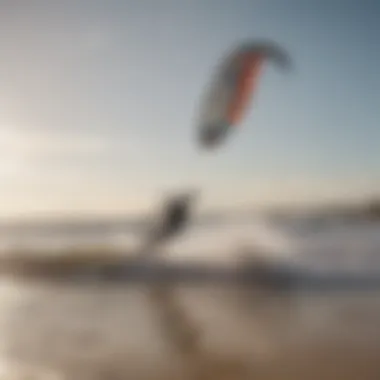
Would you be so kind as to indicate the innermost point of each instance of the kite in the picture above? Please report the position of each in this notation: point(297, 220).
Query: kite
point(229, 95)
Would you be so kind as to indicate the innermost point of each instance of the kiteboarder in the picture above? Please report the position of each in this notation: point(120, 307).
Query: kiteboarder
point(176, 215)
point(173, 220)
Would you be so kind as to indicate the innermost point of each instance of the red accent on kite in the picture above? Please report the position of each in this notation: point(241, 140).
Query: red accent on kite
point(251, 65)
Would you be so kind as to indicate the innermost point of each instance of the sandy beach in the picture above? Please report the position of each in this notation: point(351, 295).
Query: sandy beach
point(92, 331)
point(61, 319)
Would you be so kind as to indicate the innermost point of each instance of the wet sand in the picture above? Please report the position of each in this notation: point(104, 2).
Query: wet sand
point(91, 331)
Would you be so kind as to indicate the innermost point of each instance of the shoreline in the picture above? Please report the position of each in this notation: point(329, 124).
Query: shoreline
point(114, 268)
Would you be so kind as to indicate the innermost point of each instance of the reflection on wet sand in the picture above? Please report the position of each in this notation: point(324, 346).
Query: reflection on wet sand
point(92, 331)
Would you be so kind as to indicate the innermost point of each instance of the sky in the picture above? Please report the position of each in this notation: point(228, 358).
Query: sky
point(99, 102)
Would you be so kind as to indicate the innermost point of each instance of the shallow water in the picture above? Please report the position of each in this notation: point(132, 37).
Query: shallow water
point(97, 331)
point(93, 331)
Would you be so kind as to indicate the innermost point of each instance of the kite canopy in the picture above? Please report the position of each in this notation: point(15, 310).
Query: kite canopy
point(229, 95)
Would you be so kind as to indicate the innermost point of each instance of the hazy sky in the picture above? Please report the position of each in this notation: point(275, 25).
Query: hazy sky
point(98, 103)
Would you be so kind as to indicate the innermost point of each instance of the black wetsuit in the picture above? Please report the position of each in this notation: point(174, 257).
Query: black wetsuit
point(175, 218)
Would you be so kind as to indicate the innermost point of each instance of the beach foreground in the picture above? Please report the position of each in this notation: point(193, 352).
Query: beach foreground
point(118, 331)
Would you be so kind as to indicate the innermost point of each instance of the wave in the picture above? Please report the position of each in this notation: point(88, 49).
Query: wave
point(333, 246)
